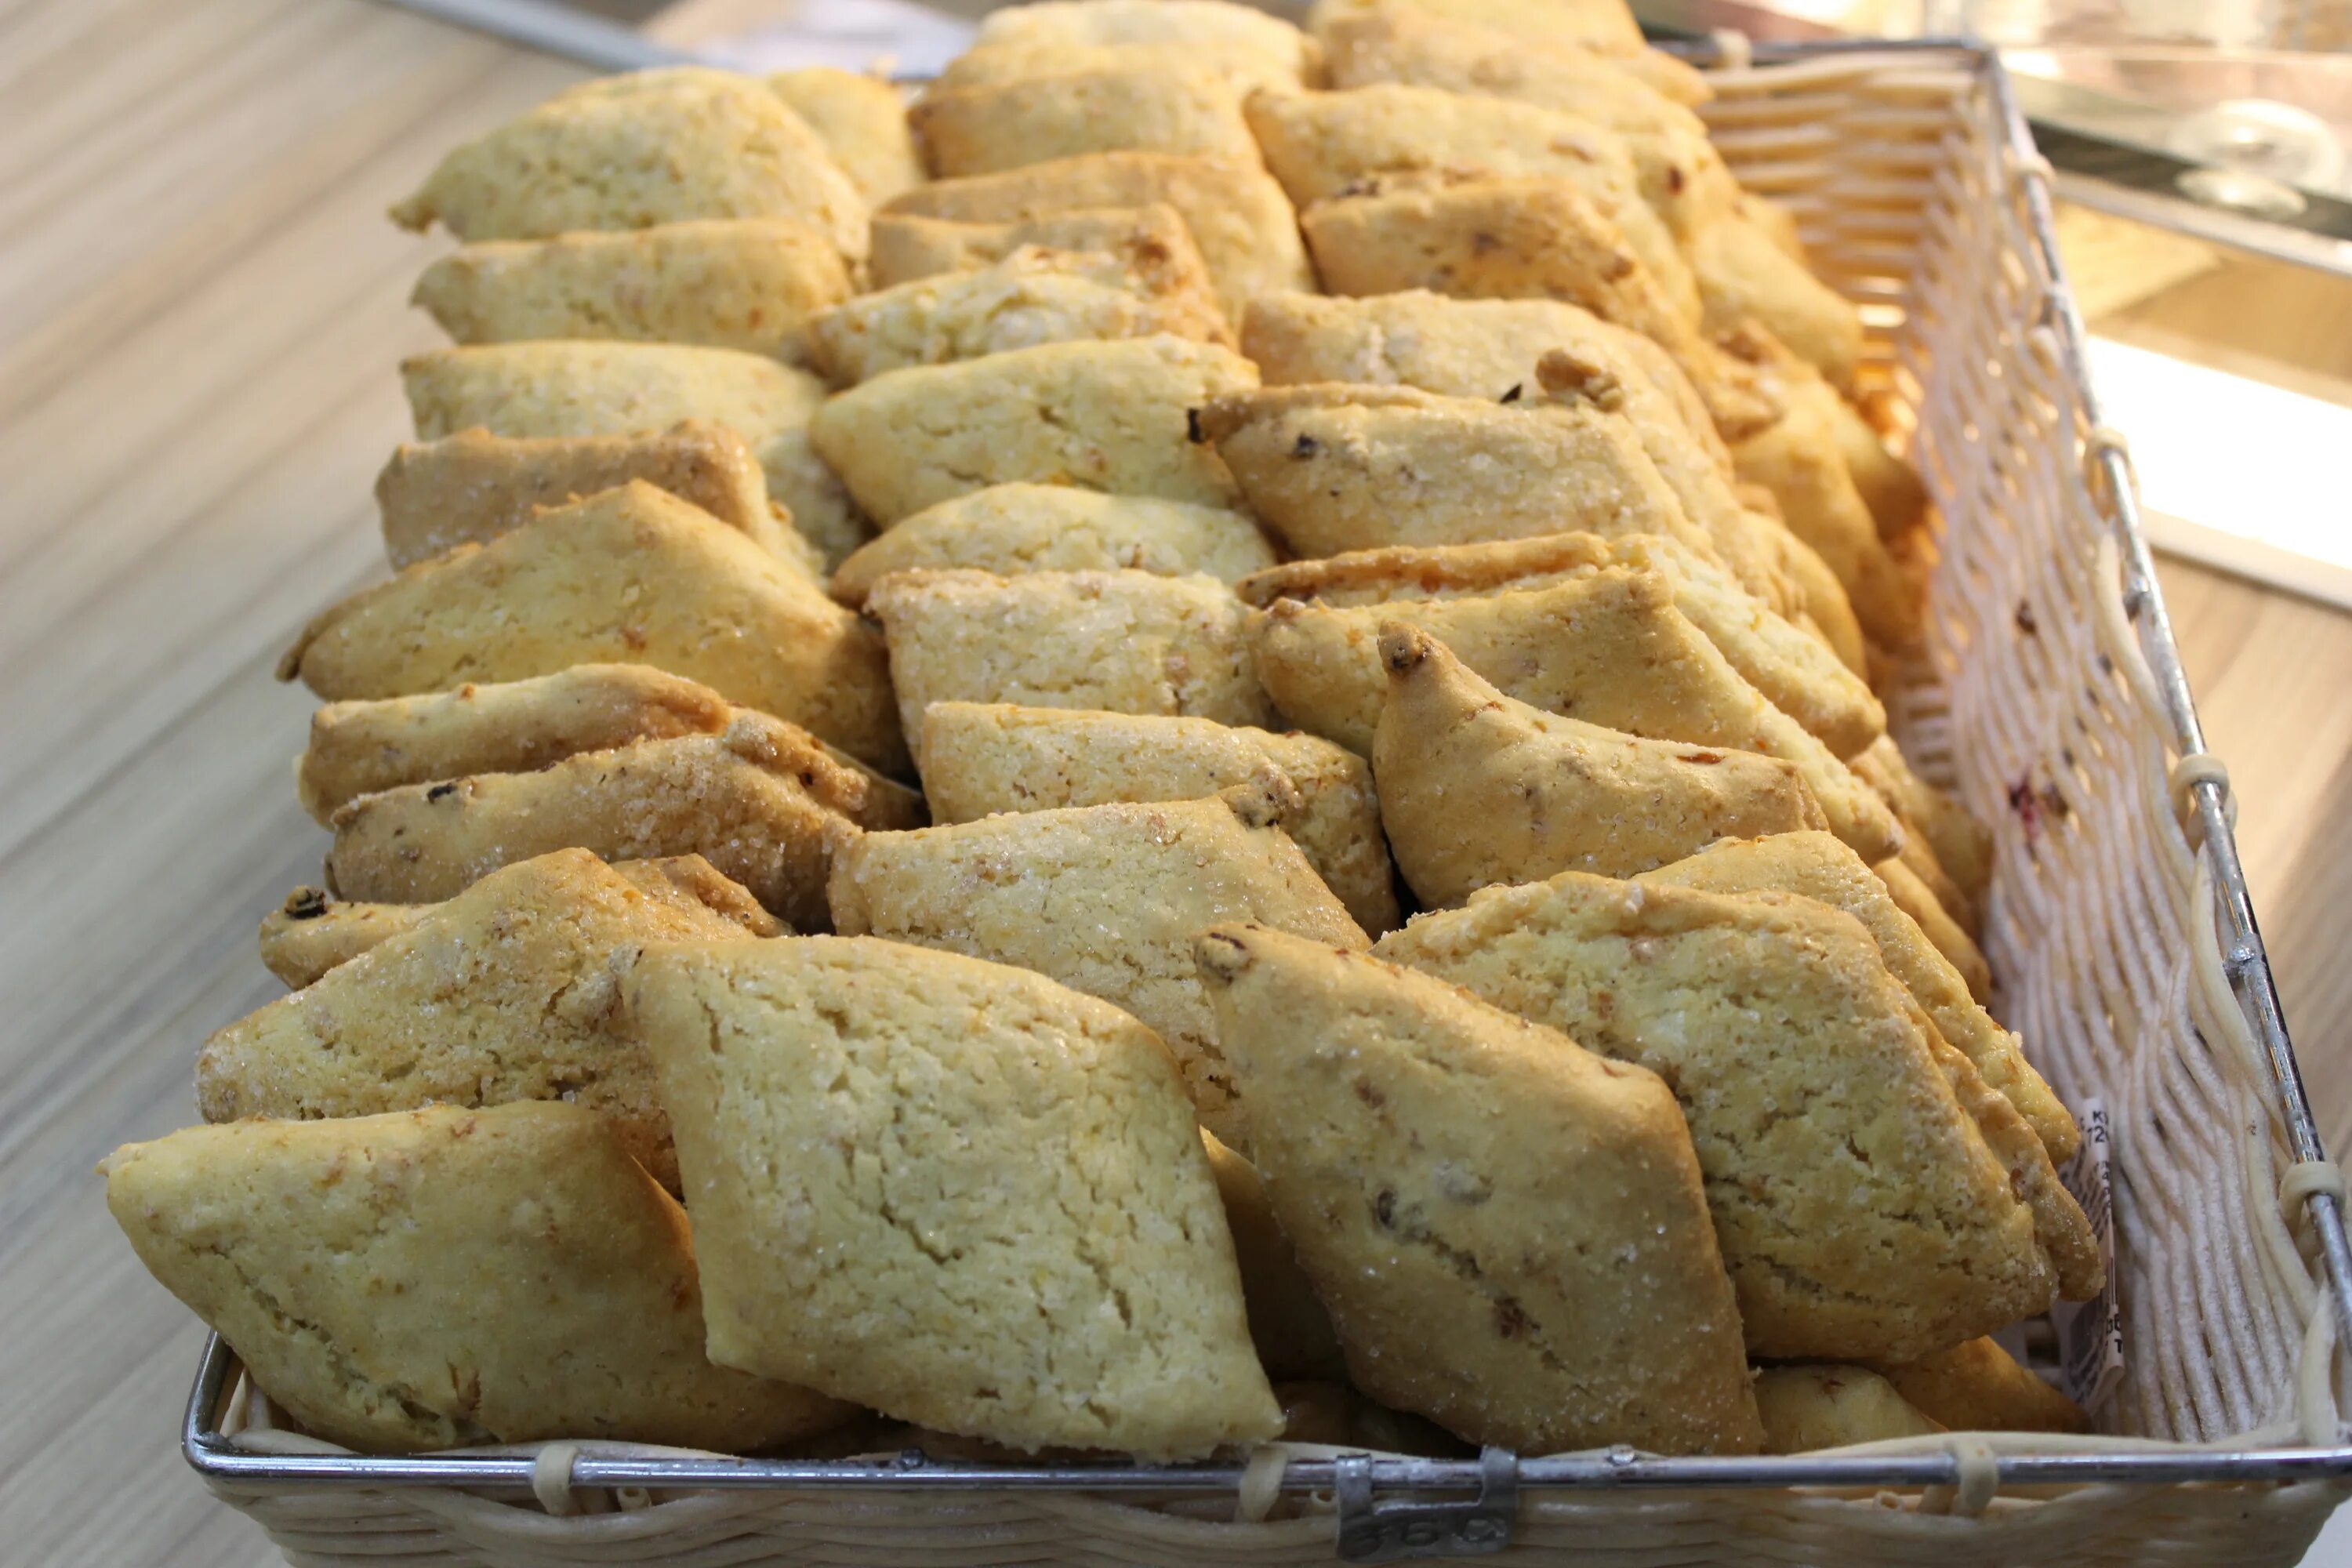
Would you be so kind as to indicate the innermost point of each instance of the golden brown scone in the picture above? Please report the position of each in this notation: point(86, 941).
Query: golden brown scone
point(952, 1191)
point(633, 151)
point(755, 799)
point(862, 120)
point(1978, 1386)
point(1242, 223)
point(1477, 788)
point(1104, 899)
point(1511, 1235)
point(313, 931)
point(1033, 296)
point(1603, 26)
point(1292, 1331)
point(505, 992)
point(633, 575)
point(1890, 486)
point(469, 487)
point(1916, 899)
point(1011, 529)
point(536, 1285)
point(1151, 239)
point(1128, 642)
point(1829, 1405)
point(579, 388)
point(1171, 105)
point(1816, 865)
point(1918, 857)
point(1856, 1165)
point(1177, 30)
point(1746, 277)
point(982, 758)
point(1963, 846)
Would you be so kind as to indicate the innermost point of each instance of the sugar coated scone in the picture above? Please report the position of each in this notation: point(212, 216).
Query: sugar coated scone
point(471, 486)
point(570, 387)
point(1830, 1406)
point(862, 120)
point(1104, 899)
point(1172, 106)
point(1292, 1331)
point(1151, 239)
point(1033, 296)
point(757, 800)
point(1963, 846)
point(734, 283)
point(1129, 642)
point(1915, 898)
point(1510, 1234)
point(539, 1284)
point(1978, 1386)
point(313, 931)
point(1111, 416)
point(640, 149)
point(1857, 1167)
point(1245, 226)
point(981, 758)
point(1175, 29)
point(1477, 788)
point(632, 575)
point(1011, 529)
point(955, 1192)
point(505, 992)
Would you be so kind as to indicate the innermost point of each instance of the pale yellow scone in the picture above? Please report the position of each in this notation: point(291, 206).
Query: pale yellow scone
point(641, 149)
point(1890, 486)
point(1013, 529)
point(981, 758)
point(1915, 898)
point(954, 1192)
point(1292, 1331)
point(579, 388)
point(1744, 276)
point(996, 64)
point(1964, 847)
point(1106, 899)
point(1980, 1387)
point(862, 120)
point(1170, 107)
point(1149, 239)
point(1830, 1406)
point(1857, 1168)
point(634, 575)
point(1510, 1234)
point(505, 992)
point(1033, 296)
point(1604, 26)
point(1176, 28)
point(759, 800)
point(537, 1284)
point(1245, 226)
point(1110, 416)
point(1128, 642)
point(471, 486)
point(1477, 788)
point(1917, 857)
point(740, 283)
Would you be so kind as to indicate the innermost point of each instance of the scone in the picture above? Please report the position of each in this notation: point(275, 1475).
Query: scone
point(731, 283)
point(862, 120)
point(1011, 529)
point(1980, 1387)
point(983, 758)
point(951, 1191)
point(1857, 1168)
point(632, 575)
point(1510, 1234)
point(505, 992)
point(756, 800)
point(1746, 278)
point(1104, 899)
point(1477, 788)
point(1831, 1405)
point(1963, 846)
point(539, 1284)
point(1128, 642)
point(1606, 27)
point(1150, 239)
point(1915, 898)
point(1173, 106)
point(640, 149)
point(1292, 1331)
point(1176, 29)
point(1111, 416)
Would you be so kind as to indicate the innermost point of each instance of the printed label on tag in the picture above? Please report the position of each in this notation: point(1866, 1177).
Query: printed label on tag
point(2091, 1334)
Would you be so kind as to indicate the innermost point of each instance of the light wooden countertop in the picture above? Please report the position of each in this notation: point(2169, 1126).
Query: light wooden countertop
point(201, 305)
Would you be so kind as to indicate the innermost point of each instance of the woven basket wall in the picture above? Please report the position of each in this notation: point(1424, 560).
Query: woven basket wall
point(2034, 701)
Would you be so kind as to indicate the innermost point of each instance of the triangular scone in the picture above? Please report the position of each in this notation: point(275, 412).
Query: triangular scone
point(1816, 865)
point(1980, 1387)
point(1151, 239)
point(505, 992)
point(634, 575)
point(755, 800)
point(1128, 642)
point(1608, 648)
point(1287, 1322)
point(981, 758)
point(1915, 898)
point(1510, 1233)
point(1607, 28)
point(635, 149)
point(1963, 846)
point(951, 1191)
point(1478, 788)
point(1112, 417)
point(1828, 1405)
point(1850, 1159)
point(1171, 105)
point(1104, 899)
point(1795, 672)
point(862, 120)
point(1011, 529)
point(535, 1283)
point(1177, 30)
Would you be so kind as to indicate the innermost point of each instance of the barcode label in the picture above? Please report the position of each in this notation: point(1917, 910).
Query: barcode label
point(2091, 1334)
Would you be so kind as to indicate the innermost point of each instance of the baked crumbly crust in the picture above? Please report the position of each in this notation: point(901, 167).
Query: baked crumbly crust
point(1831, 1405)
point(1174, 28)
point(1916, 898)
point(862, 120)
point(1150, 239)
point(1963, 846)
point(1172, 106)
point(1980, 1387)
point(1604, 26)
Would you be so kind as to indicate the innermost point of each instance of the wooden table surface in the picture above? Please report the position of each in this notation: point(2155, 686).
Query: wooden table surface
point(201, 305)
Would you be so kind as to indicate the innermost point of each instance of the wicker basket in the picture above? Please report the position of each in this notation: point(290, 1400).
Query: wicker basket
point(2051, 698)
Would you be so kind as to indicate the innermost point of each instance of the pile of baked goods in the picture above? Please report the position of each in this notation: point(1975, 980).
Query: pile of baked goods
point(933, 650)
